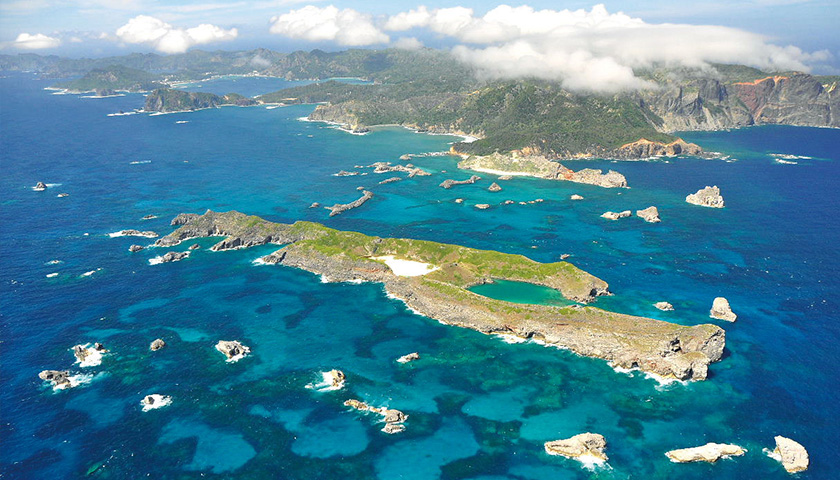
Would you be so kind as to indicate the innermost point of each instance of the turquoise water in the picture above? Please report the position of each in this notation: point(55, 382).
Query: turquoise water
point(521, 292)
point(479, 408)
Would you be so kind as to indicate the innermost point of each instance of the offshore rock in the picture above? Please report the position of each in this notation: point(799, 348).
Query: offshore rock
point(616, 215)
point(58, 378)
point(710, 452)
point(409, 357)
point(137, 233)
point(644, 148)
point(576, 197)
point(584, 444)
point(157, 344)
point(393, 419)
point(523, 163)
point(449, 183)
point(793, 456)
point(314, 205)
point(155, 401)
point(40, 187)
point(174, 256)
point(482, 206)
point(650, 215)
point(664, 306)
point(390, 180)
point(195, 246)
point(722, 311)
point(135, 248)
point(336, 378)
point(233, 350)
point(494, 187)
point(706, 197)
point(339, 208)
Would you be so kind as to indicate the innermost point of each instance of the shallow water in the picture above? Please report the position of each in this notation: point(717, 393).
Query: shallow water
point(478, 407)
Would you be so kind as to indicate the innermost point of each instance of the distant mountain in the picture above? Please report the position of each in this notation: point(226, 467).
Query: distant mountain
point(114, 78)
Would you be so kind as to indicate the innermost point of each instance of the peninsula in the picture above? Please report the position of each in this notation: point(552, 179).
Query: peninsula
point(440, 290)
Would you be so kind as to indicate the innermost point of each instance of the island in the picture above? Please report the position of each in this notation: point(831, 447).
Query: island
point(433, 279)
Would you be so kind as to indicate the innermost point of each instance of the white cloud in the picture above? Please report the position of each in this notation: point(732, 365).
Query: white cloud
point(35, 42)
point(591, 49)
point(168, 39)
point(407, 43)
point(345, 27)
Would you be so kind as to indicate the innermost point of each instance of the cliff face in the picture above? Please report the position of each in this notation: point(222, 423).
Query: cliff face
point(707, 104)
point(168, 100)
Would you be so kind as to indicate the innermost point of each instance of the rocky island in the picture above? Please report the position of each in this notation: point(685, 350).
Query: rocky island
point(591, 445)
point(710, 452)
point(340, 208)
point(533, 165)
point(441, 292)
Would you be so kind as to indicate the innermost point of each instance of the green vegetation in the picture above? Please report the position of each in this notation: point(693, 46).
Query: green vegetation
point(112, 78)
point(168, 100)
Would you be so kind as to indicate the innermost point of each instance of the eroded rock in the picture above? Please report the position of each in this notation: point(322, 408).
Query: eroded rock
point(409, 357)
point(584, 444)
point(722, 311)
point(157, 345)
point(616, 215)
point(664, 306)
point(233, 350)
point(710, 452)
point(706, 197)
point(793, 455)
point(494, 187)
point(650, 215)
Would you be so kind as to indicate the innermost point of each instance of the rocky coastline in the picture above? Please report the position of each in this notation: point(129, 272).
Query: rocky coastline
point(534, 165)
point(666, 349)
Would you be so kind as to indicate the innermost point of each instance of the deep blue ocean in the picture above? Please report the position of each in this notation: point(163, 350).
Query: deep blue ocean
point(479, 408)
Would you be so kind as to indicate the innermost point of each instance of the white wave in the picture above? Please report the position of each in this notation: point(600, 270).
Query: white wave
point(662, 382)
point(181, 122)
point(394, 297)
point(122, 114)
point(93, 357)
point(160, 401)
point(788, 156)
point(103, 96)
point(781, 161)
point(87, 274)
point(156, 260)
point(510, 338)
point(772, 454)
point(139, 162)
point(259, 261)
point(52, 275)
point(591, 462)
point(326, 384)
point(75, 381)
point(53, 262)
point(272, 107)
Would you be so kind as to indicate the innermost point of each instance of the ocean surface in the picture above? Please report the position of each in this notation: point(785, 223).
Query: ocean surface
point(479, 408)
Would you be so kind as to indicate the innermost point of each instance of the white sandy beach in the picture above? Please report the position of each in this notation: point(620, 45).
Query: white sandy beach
point(406, 268)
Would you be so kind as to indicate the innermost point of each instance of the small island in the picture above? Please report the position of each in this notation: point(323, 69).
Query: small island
point(439, 290)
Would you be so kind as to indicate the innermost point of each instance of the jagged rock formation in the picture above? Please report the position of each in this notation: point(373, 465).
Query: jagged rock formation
point(650, 215)
point(233, 350)
point(616, 215)
point(663, 348)
point(584, 444)
point(523, 163)
point(137, 233)
point(410, 357)
point(394, 419)
point(135, 248)
point(168, 100)
point(40, 187)
point(710, 452)
point(195, 246)
point(644, 148)
point(664, 306)
point(183, 218)
point(58, 378)
point(706, 197)
point(174, 256)
point(386, 167)
point(390, 180)
point(157, 344)
point(339, 208)
point(494, 187)
point(722, 311)
point(155, 401)
point(793, 456)
point(336, 378)
point(449, 183)
point(82, 352)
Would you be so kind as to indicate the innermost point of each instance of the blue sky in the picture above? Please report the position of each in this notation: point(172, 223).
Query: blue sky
point(90, 27)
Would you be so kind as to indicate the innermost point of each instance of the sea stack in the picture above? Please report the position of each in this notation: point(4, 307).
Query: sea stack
point(494, 187)
point(40, 187)
point(582, 445)
point(650, 215)
point(233, 350)
point(710, 452)
point(706, 197)
point(157, 345)
point(722, 311)
point(793, 456)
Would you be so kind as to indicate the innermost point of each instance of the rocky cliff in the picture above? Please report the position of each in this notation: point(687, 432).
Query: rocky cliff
point(168, 100)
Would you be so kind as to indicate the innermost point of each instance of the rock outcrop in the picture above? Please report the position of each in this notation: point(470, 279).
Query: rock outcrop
point(233, 350)
point(410, 357)
point(390, 180)
point(667, 349)
point(650, 215)
point(793, 455)
point(394, 419)
point(644, 148)
point(40, 187)
point(174, 256)
point(157, 344)
point(449, 183)
point(722, 311)
point(616, 215)
point(664, 306)
point(706, 197)
point(710, 452)
point(155, 401)
point(576, 197)
point(482, 206)
point(494, 187)
point(539, 166)
point(582, 445)
point(135, 248)
point(386, 167)
point(59, 379)
point(336, 378)
point(339, 208)
point(136, 233)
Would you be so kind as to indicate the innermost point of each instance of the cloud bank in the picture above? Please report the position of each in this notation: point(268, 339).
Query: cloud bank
point(168, 39)
point(586, 49)
point(35, 42)
point(345, 27)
